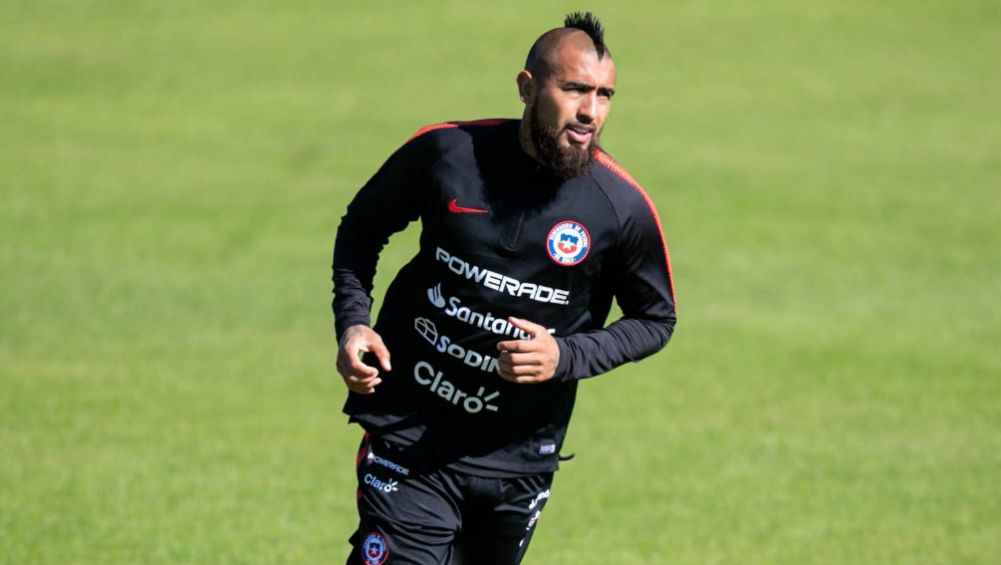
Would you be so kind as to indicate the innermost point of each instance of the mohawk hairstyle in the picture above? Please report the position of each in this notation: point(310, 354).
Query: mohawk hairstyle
point(589, 24)
point(537, 61)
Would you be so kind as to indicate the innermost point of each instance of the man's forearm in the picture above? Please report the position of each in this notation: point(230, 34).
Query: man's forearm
point(598, 351)
point(356, 253)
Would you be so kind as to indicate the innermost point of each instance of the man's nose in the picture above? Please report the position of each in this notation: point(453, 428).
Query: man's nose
point(588, 109)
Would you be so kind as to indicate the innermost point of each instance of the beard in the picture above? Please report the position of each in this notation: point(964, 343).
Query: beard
point(563, 162)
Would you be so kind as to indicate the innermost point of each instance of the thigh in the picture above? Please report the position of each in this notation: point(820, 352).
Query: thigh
point(498, 532)
point(406, 516)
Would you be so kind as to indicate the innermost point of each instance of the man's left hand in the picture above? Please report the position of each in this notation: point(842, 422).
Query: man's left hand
point(525, 361)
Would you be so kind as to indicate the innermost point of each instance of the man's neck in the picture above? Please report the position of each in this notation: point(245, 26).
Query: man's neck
point(525, 140)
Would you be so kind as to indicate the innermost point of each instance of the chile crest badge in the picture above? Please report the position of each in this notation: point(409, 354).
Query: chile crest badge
point(568, 243)
point(374, 549)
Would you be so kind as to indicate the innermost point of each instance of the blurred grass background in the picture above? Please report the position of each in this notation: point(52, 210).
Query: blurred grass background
point(828, 173)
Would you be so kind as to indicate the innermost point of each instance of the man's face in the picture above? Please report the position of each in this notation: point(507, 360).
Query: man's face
point(568, 107)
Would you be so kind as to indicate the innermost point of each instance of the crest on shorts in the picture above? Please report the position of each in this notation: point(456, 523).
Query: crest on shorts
point(568, 243)
point(374, 549)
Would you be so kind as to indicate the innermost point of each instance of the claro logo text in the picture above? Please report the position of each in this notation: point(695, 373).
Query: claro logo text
point(435, 381)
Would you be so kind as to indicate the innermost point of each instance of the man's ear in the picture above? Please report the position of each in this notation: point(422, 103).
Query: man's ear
point(524, 80)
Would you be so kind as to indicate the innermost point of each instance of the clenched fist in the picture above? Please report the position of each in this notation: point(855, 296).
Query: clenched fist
point(528, 360)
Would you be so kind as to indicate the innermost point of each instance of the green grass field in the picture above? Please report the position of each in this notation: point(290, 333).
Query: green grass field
point(828, 175)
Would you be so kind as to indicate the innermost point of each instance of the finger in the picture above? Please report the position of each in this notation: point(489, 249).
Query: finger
point(517, 346)
point(357, 380)
point(510, 370)
point(366, 388)
point(361, 385)
point(357, 367)
point(523, 379)
point(378, 348)
point(532, 358)
point(354, 369)
point(504, 366)
point(508, 377)
point(530, 380)
point(521, 371)
point(527, 326)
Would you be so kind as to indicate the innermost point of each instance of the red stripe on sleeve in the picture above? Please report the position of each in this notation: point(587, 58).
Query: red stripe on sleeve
point(607, 160)
point(448, 125)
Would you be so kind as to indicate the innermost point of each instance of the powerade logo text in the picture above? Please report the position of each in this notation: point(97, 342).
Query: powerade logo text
point(502, 283)
point(454, 309)
point(426, 376)
point(383, 462)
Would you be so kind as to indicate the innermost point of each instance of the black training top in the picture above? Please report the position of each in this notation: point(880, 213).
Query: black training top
point(501, 237)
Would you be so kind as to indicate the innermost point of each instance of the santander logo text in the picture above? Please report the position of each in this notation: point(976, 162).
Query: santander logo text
point(453, 308)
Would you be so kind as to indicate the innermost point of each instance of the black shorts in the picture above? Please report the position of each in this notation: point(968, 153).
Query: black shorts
point(414, 512)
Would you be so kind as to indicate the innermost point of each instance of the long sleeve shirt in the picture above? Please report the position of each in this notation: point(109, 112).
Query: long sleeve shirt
point(500, 237)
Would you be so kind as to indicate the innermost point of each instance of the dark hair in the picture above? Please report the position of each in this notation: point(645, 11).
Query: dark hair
point(589, 24)
point(536, 62)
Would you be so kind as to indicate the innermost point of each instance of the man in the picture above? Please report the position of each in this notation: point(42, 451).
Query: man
point(466, 383)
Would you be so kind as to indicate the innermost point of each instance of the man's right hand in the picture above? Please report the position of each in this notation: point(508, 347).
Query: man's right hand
point(359, 377)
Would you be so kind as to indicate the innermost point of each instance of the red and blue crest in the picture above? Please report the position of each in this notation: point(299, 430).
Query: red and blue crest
point(374, 549)
point(568, 243)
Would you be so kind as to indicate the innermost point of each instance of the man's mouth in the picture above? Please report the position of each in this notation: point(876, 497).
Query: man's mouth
point(580, 135)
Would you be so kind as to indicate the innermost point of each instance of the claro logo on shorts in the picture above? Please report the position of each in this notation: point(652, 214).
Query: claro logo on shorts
point(379, 484)
point(425, 375)
point(502, 283)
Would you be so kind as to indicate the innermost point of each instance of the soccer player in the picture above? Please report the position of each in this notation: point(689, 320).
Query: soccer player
point(465, 384)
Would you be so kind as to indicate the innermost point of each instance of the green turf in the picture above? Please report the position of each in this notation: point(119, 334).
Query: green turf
point(828, 174)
